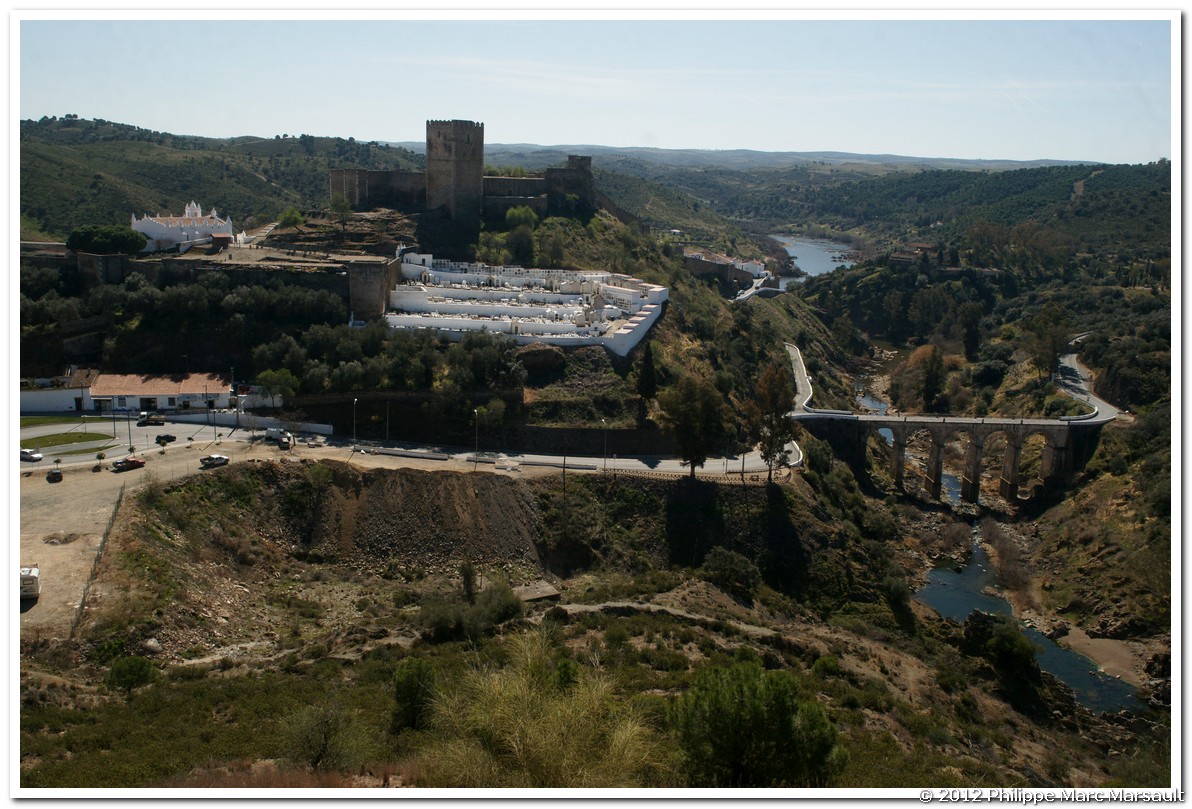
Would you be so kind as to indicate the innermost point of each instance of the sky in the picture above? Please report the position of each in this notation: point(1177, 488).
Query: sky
point(1066, 89)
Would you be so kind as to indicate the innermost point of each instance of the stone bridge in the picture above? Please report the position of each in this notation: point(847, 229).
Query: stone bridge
point(1069, 441)
point(1068, 445)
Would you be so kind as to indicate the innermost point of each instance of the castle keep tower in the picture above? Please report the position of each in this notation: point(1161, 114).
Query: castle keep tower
point(455, 168)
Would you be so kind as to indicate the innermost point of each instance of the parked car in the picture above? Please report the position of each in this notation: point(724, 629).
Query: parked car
point(30, 582)
point(211, 461)
point(31, 455)
point(54, 475)
point(125, 464)
point(166, 438)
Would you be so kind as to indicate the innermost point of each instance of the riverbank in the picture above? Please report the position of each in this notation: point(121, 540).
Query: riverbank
point(1123, 659)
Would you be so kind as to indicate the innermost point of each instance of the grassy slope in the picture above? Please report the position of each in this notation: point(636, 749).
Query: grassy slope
point(909, 709)
point(83, 172)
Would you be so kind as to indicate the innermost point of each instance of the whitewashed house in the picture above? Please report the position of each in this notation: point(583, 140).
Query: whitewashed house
point(193, 227)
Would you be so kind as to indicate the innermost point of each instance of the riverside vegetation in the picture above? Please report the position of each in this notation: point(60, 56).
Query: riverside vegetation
point(227, 606)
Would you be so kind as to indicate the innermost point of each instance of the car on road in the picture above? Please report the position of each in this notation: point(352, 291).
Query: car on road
point(125, 464)
point(31, 455)
point(166, 438)
point(212, 461)
point(54, 475)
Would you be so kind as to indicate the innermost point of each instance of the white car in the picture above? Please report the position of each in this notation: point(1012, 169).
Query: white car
point(31, 455)
point(30, 582)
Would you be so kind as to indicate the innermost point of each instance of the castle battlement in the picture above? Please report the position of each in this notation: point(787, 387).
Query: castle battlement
point(454, 185)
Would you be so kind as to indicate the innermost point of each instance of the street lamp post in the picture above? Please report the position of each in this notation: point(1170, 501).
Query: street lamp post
point(354, 401)
point(605, 423)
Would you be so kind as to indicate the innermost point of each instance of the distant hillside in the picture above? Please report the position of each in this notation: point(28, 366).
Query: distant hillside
point(76, 172)
point(535, 156)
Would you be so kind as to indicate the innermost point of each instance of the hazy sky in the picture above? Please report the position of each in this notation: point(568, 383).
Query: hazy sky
point(1011, 89)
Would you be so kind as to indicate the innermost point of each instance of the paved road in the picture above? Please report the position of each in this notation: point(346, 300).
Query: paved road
point(1073, 379)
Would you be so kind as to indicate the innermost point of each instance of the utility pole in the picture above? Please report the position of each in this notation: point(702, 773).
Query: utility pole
point(605, 423)
point(476, 452)
point(354, 401)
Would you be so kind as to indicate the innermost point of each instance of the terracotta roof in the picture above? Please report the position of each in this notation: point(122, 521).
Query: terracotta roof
point(81, 378)
point(145, 385)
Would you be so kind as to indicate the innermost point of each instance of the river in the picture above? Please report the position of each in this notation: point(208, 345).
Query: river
point(815, 256)
point(955, 592)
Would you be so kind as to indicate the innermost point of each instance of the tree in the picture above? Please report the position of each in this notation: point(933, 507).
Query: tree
point(521, 215)
point(520, 243)
point(128, 673)
point(467, 575)
point(413, 693)
point(323, 737)
point(647, 376)
point(745, 727)
point(933, 376)
point(695, 417)
point(341, 209)
point(281, 383)
point(731, 572)
point(968, 315)
point(118, 239)
point(290, 218)
point(775, 399)
point(1046, 337)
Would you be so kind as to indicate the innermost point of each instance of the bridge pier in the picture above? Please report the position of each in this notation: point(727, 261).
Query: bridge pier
point(1008, 485)
point(934, 474)
point(1057, 461)
point(970, 484)
point(898, 458)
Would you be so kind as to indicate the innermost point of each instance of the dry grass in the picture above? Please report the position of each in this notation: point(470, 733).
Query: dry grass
point(517, 727)
point(267, 775)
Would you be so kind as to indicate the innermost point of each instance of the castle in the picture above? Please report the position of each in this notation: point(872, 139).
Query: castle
point(454, 186)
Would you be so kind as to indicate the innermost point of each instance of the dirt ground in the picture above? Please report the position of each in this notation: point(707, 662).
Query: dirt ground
point(62, 524)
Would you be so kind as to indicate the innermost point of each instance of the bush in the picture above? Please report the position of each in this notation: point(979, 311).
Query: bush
point(323, 738)
point(413, 691)
point(825, 666)
point(444, 621)
point(128, 673)
point(744, 727)
point(525, 727)
point(732, 573)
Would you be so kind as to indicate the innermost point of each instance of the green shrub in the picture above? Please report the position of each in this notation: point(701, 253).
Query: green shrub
point(825, 666)
point(413, 691)
point(744, 727)
point(323, 737)
point(732, 573)
point(451, 620)
point(128, 673)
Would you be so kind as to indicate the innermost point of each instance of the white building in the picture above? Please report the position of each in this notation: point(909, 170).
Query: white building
point(559, 307)
point(755, 268)
point(193, 227)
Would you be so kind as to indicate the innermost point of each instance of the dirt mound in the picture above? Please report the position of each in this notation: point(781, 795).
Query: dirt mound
point(427, 518)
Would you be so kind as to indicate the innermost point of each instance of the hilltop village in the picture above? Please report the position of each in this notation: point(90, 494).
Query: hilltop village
point(411, 288)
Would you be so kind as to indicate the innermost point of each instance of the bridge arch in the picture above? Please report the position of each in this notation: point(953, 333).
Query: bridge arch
point(981, 437)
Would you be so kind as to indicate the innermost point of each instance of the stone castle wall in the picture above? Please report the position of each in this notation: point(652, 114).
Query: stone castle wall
point(454, 183)
point(364, 188)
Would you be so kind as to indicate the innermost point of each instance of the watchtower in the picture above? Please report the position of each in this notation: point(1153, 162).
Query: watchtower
point(455, 168)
